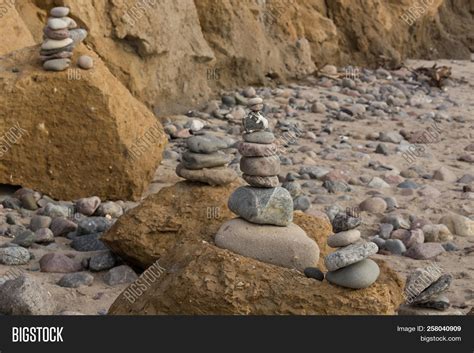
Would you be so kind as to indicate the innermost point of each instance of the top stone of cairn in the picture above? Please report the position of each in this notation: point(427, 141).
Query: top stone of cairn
point(254, 121)
point(59, 12)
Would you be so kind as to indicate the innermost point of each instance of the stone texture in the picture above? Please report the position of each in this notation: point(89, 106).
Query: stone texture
point(425, 251)
point(205, 144)
point(224, 283)
point(59, 263)
point(356, 276)
point(458, 225)
point(248, 149)
point(288, 247)
point(195, 161)
point(75, 280)
point(349, 255)
point(261, 182)
point(437, 287)
point(14, 256)
point(260, 166)
point(343, 238)
point(262, 206)
point(120, 275)
point(437, 233)
point(170, 217)
point(82, 168)
point(25, 296)
point(213, 176)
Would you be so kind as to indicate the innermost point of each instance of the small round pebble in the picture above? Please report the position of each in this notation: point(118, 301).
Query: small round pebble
point(314, 272)
point(85, 62)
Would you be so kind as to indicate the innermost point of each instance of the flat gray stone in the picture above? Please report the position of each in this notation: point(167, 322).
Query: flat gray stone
point(356, 276)
point(14, 256)
point(75, 280)
point(350, 254)
point(343, 238)
point(262, 206)
point(205, 144)
point(263, 137)
point(211, 176)
point(120, 275)
point(437, 287)
point(56, 64)
point(288, 247)
point(195, 161)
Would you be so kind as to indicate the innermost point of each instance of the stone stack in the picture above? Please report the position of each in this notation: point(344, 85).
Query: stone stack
point(60, 38)
point(424, 288)
point(264, 230)
point(349, 266)
point(205, 162)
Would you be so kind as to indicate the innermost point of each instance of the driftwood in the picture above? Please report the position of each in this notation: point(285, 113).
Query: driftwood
point(436, 74)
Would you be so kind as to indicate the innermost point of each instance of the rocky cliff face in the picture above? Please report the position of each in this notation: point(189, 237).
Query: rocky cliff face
point(174, 54)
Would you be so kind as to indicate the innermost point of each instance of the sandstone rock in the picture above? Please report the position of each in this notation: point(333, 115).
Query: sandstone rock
point(374, 205)
point(225, 283)
point(13, 31)
point(288, 247)
point(458, 225)
point(170, 217)
point(91, 158)
point(445, 174)
point(25, 296)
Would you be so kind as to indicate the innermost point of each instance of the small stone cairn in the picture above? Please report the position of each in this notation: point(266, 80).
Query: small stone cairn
point(349, 266)
point(264, 230)
point(205, 161)
point(61, 36)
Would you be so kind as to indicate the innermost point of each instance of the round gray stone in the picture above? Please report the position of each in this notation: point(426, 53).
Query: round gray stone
point(263, 137)
point(288, 247)
point(356, 276)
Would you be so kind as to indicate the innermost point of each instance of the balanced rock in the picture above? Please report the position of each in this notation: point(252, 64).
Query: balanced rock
point(359, 275)
point(149, 231)
point(205, 144)
point(261, 181)
point(195, 161)
point(262, 137)
point(260, 166)
point(350, 254)
point(283, 246)
point(343, 238)
point(213, 176)
point(82, 162)
point(263, 206)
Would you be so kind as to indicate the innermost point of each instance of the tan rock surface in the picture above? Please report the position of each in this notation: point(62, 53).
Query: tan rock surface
point(202, 279)
point(74, 130)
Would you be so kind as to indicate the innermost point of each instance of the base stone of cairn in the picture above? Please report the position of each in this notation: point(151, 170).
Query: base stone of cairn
point(349, 266)
point(205, 161)
point(264, 231)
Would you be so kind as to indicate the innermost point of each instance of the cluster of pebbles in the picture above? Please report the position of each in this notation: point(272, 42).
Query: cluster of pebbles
point(425, 289)
point(61, 36)
point(206, 161)
point(264, 230)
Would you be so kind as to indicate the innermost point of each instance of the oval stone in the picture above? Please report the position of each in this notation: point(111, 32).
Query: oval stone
point(248, 149)
point(56, 64)
point(199, 161)
point(56, 23)
point(56, 34)
point(52, 44)
point(85, 62)
point(262, 206)
point(356, 276)
point(261, 182)
point(349, 255)
point(288, 247)
point(205, 144)
point(213, 176)
point(343, 238)
point(60, 11)
point(260, 166)
point(264, 137)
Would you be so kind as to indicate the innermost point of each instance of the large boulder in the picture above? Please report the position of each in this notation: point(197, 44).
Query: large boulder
point(201, 279)
point(187, 211)
point(74, 133)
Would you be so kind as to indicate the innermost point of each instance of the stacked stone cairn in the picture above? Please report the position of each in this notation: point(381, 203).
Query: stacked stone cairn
point(61, 36)
point(205, 161)
point(349, 266)
point(264, 231)
point(424, 288)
